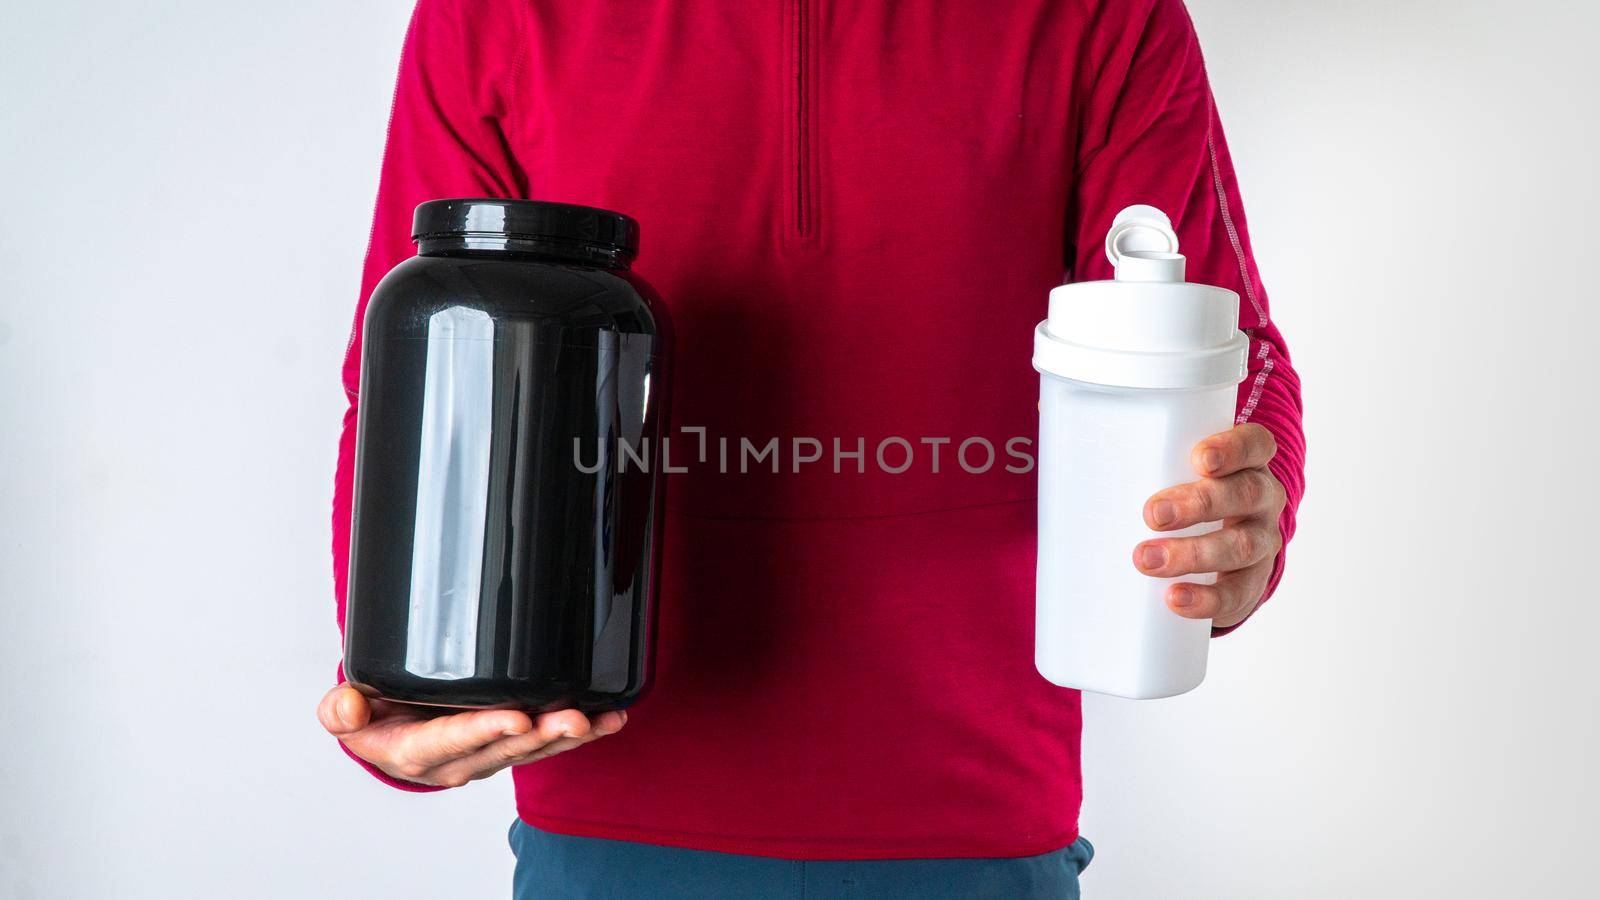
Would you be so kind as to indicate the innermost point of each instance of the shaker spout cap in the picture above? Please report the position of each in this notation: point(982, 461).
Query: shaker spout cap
point(1142, 246)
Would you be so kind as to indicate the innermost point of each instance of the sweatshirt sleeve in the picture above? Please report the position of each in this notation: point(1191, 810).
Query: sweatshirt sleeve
point(1149, 133)
point(447, 128)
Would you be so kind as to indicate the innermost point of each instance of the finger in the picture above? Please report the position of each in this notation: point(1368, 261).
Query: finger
point(541, 730)
point(343, 711)
point(600, 726)
point(1247, 493)
point(610, 722)
point(527, 748)
point(1241, 447)
point(554, 735)
point(1225, 550)
point(492, 759)
point(438, 741)
point(1225, 603)
point(501, 754)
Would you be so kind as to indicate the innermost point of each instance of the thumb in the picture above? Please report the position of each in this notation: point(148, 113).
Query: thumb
point(343, 711)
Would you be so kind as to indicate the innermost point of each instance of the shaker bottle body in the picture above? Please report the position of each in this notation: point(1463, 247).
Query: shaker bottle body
point(507, 496)
point(1101, 624)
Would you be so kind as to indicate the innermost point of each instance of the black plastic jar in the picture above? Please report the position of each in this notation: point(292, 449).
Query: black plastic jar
point(507, 495)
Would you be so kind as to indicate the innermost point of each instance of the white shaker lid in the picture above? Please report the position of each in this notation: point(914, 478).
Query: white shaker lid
point(1148, 328)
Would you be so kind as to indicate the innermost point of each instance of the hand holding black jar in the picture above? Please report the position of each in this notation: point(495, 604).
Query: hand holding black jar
point(507, 494)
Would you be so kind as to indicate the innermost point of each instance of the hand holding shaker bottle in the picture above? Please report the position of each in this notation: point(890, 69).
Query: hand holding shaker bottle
point(1133, 372)
point(507, 495)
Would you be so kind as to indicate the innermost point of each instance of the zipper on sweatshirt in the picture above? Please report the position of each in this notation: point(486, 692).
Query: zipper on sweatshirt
point(802, 117)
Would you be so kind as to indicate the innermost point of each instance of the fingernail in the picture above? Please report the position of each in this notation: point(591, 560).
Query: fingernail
point(1152, 556)
point(1163, 512)
point(1182, 596)
point(1211, 459)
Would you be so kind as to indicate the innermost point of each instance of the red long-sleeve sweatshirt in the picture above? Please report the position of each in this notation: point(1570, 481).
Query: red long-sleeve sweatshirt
point(855, 212)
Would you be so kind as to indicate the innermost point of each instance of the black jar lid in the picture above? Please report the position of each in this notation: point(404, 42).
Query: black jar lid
point(530, 220)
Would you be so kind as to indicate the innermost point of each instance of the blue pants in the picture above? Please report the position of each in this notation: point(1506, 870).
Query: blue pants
point(559, 866)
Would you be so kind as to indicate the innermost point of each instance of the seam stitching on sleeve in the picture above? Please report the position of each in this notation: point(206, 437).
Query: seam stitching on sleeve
point(1255, 389)
point(1233, 232)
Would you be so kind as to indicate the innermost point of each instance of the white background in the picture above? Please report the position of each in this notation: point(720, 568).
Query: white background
point(184, 199)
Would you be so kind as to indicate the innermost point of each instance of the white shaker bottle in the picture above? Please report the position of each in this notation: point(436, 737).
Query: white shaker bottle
point(1133, 372)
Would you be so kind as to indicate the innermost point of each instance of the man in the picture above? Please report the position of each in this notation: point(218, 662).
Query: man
point(854, 211)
